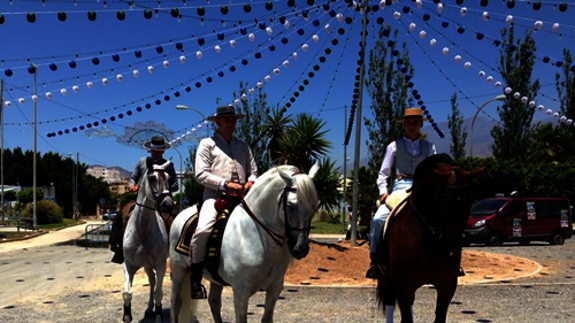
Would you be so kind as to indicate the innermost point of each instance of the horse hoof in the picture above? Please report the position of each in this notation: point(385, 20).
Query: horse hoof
point(127, 318)
point(159, 318)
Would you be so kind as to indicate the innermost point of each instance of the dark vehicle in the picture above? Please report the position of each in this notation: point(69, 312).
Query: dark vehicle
point(109, 216)
point(497, 220)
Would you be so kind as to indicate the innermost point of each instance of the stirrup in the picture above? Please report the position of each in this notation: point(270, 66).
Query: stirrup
point(461, 272)
point(371, 272)
point(200, 294)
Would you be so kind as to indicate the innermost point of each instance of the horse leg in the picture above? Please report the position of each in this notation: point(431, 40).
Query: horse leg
point(445, 294)
point(405, 299)
point(241, 301)
point(215, 301)
point(129, 272)
point(387, 295)
point(178, 275)
point(152, 282)
point(272, 294)
point(159, 291)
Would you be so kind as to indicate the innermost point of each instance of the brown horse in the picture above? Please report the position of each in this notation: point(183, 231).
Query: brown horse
point(423, 241)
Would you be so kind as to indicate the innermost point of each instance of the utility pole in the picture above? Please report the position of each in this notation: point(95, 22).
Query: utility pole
point(353, 240)
point(343, 214)
point(75, 197)
point(35, 108)
point(2, 142)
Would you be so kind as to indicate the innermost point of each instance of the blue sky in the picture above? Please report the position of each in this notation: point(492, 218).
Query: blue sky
point(48, 40)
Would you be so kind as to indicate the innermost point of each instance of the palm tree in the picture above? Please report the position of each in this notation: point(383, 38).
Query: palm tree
point(304, 142)
point(274, 128)
point(326, 183)
point(368, 194)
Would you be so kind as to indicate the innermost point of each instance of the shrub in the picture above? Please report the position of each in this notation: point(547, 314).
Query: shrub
point(322, 215)
point(47, 212)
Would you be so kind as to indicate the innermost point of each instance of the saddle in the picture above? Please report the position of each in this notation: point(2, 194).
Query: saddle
point(224, 205)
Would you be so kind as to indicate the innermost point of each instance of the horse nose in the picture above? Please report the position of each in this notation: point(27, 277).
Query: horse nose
point(301, 252)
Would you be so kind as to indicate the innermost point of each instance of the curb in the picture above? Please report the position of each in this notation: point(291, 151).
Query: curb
point(32, 236)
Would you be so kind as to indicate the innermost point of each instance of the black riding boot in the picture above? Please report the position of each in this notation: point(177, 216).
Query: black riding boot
point(372, 270)
point(198, 290)
point(461, 272)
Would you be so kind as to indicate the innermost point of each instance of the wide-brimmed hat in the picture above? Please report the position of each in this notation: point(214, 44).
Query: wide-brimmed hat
point(157, 143)
point(413, 113)
point(225, 111)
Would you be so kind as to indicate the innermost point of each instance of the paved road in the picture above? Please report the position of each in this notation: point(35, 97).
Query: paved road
point(86, 288)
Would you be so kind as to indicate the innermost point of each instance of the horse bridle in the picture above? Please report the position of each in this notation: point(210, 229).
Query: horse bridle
point(277, 237)
point(158, 196)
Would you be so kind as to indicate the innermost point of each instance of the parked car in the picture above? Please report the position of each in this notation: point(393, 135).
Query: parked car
point(497, 220)
point(110, 216)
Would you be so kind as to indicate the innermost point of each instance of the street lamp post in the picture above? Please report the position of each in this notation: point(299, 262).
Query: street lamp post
point(500, 97)
point(34, 108)
point(180, 177)
point(185, 107)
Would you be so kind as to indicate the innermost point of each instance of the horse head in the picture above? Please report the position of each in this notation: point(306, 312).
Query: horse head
point(299, 203)
point(442, 191)
point(157, 187)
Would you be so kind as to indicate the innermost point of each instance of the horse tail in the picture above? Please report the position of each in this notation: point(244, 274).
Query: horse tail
point(386, 291)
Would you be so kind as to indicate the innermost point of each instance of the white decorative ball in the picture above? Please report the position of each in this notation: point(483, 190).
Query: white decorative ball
point(485, 16)
point(489, 79)
point(538, 24)
point(199, 54)
point(556, 27)
point(75, 88)
point(432, 42)
point(285, 63)
point(445, 51)
point(294, 56)
point(457, 58)
point(463, 11)
point(339, 17)
point(9, 104)
point(467, 65)
point(569, 121)
point(556, 115)
point(517, 95)
point(540, 107)
point(251, 90)
point(21, 100)
point(217, 49)
point(498, 84)
point(524, 99)
point(508, 90)
point(150, 69)
point(89, 85)
point(244, 97)
point(315, 38)
point(509, 19)
point(422, 34)
point(48, 95)
point(327, 28)
point(34, 98)
point(233, 43)
point(166, 64)
point(382, 4)
point(287, 24)
point(135, 73)
point(412, 26)
point(548, 112)
point(183, 59)
point(105, 81)
point(305, 47)
point(419, 4)
point(269, 30)
point(276, 71)
point(237, 101)
point(267, 78)
point(481, 74)
point(252, 37)
point(259, 85)
point(119, 77)
point(63, 91)
point(532, 104)
point(396, 15)
point(439, 7)
point(563, 119)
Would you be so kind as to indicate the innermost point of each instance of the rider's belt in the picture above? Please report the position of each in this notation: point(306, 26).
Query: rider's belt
point(400, 176)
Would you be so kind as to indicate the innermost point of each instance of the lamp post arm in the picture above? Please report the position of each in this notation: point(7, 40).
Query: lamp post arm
point(185, 107)
point(500, 97)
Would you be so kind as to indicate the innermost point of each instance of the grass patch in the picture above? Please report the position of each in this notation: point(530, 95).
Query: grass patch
point(329, 228)
point(15, 235)
point(55, 226)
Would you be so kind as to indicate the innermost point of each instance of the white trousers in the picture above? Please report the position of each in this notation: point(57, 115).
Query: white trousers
point(207, 218)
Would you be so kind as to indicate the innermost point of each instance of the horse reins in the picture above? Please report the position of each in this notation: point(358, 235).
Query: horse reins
point(158, 197)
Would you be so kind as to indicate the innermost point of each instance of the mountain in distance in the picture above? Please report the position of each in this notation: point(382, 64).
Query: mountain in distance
point(482, 140)
point(123, 172)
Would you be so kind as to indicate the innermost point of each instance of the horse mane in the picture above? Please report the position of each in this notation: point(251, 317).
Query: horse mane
point(306, 192)
point(429, 164)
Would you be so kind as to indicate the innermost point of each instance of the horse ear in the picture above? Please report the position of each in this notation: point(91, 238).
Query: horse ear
point(285, 176)
point(313, 171)
point(443, 171)
point(475, 172)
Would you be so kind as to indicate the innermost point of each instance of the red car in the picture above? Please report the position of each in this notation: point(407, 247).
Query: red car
point(497, 220)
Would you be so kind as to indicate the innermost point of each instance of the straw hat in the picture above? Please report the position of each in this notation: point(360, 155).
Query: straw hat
point(225, 111)
point(413, 113)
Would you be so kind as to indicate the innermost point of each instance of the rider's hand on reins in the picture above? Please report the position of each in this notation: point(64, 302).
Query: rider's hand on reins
point(247, 187)
point(233, 188)
point(133, 188)
point(383, 197)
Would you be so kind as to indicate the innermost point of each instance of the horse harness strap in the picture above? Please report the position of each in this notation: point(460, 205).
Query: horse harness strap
point(278, 238)
point(435, 231)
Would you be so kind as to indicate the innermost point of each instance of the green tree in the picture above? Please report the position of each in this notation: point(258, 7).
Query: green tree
point(255, 107)
point(326, 183)
point(10, 196)
point(368, 194)
point(193, 190)
point(274, 130)
point(27, 195)
point(387, 83)
point(565, 85)
point(516, 63)
point(458, 131)
point(47, 212)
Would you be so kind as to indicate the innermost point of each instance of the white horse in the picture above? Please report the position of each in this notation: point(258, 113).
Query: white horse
point(146, 239)
point(283, 200)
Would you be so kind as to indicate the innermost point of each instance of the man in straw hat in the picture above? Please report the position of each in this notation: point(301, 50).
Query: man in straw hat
point(403, 155)
point(225, 166)
point(156, 146)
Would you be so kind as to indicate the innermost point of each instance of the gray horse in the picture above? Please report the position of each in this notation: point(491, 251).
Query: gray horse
point(146, 239)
